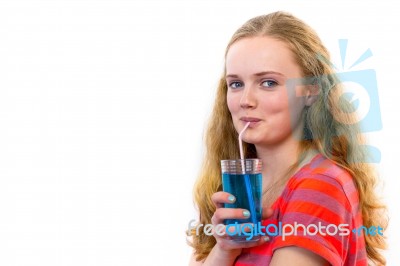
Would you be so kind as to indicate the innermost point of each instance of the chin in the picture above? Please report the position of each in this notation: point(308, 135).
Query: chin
point(253, 141)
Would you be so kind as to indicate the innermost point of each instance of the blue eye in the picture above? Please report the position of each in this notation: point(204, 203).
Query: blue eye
point(269, 83)
point(235, 84)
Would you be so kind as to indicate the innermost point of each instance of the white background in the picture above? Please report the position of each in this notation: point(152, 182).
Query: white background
point(103, 106)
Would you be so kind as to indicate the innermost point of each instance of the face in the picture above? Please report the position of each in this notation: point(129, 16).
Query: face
point(258, 73)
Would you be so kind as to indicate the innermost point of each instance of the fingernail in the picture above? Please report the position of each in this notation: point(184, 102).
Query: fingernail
point(231, 198)
point(266, 239)
point(246, 213)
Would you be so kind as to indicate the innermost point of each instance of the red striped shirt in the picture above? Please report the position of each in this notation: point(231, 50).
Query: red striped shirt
point(320, 193)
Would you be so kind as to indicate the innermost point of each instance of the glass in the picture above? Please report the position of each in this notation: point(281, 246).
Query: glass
point(243, 179)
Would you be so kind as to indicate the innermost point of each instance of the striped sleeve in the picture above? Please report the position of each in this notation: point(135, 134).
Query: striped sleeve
point(316, 215)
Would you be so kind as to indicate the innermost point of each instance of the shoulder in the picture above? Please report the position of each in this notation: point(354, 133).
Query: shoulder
point(322, 184)
point(321, 196)
point(322, 175)
point(323, 169)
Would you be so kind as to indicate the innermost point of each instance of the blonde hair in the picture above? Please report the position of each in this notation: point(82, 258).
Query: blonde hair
point(330, 121)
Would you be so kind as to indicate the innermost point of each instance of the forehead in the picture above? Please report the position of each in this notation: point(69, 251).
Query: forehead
point(256, 54)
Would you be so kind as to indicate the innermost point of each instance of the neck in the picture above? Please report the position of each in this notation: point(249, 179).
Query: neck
point(277, 159)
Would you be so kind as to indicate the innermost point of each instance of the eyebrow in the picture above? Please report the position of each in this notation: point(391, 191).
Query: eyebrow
point(256, 74)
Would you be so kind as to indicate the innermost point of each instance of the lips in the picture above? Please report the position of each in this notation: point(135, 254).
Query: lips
point(250, 119)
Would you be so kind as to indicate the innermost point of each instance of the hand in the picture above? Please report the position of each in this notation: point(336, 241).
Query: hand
point(225, 244)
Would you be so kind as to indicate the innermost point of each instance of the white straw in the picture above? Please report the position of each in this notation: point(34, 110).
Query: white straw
point(241, 146)
point(247, 182)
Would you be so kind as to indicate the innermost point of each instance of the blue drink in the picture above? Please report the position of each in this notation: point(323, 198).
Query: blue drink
point(235, 185)
point(243, 179)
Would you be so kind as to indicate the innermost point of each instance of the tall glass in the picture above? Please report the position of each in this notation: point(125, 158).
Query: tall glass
point(243, 179)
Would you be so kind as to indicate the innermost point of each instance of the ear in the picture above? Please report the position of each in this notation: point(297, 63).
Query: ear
point(312, 92)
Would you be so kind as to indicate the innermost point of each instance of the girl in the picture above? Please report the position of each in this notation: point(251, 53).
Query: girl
point(277, 77)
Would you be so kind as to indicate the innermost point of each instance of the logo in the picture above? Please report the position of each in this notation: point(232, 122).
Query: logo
point(360, 89)
point(249, 231)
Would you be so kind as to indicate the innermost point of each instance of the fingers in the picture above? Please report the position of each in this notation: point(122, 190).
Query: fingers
point(249, 244)
point(229, 242)
point(221, 214)
point(219, 198)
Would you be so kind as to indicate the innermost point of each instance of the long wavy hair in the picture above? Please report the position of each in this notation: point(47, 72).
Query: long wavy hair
point(330, 122)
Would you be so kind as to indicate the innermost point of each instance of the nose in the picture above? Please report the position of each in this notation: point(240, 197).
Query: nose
point(248, 99)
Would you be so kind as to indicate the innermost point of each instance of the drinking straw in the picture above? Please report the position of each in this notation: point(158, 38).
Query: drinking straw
point(240, 143)
point(246, 178)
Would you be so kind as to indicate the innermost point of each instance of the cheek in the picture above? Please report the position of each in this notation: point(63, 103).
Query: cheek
point(296, 107)
point(232, 103)
point(284, 103)
point(276, 105)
